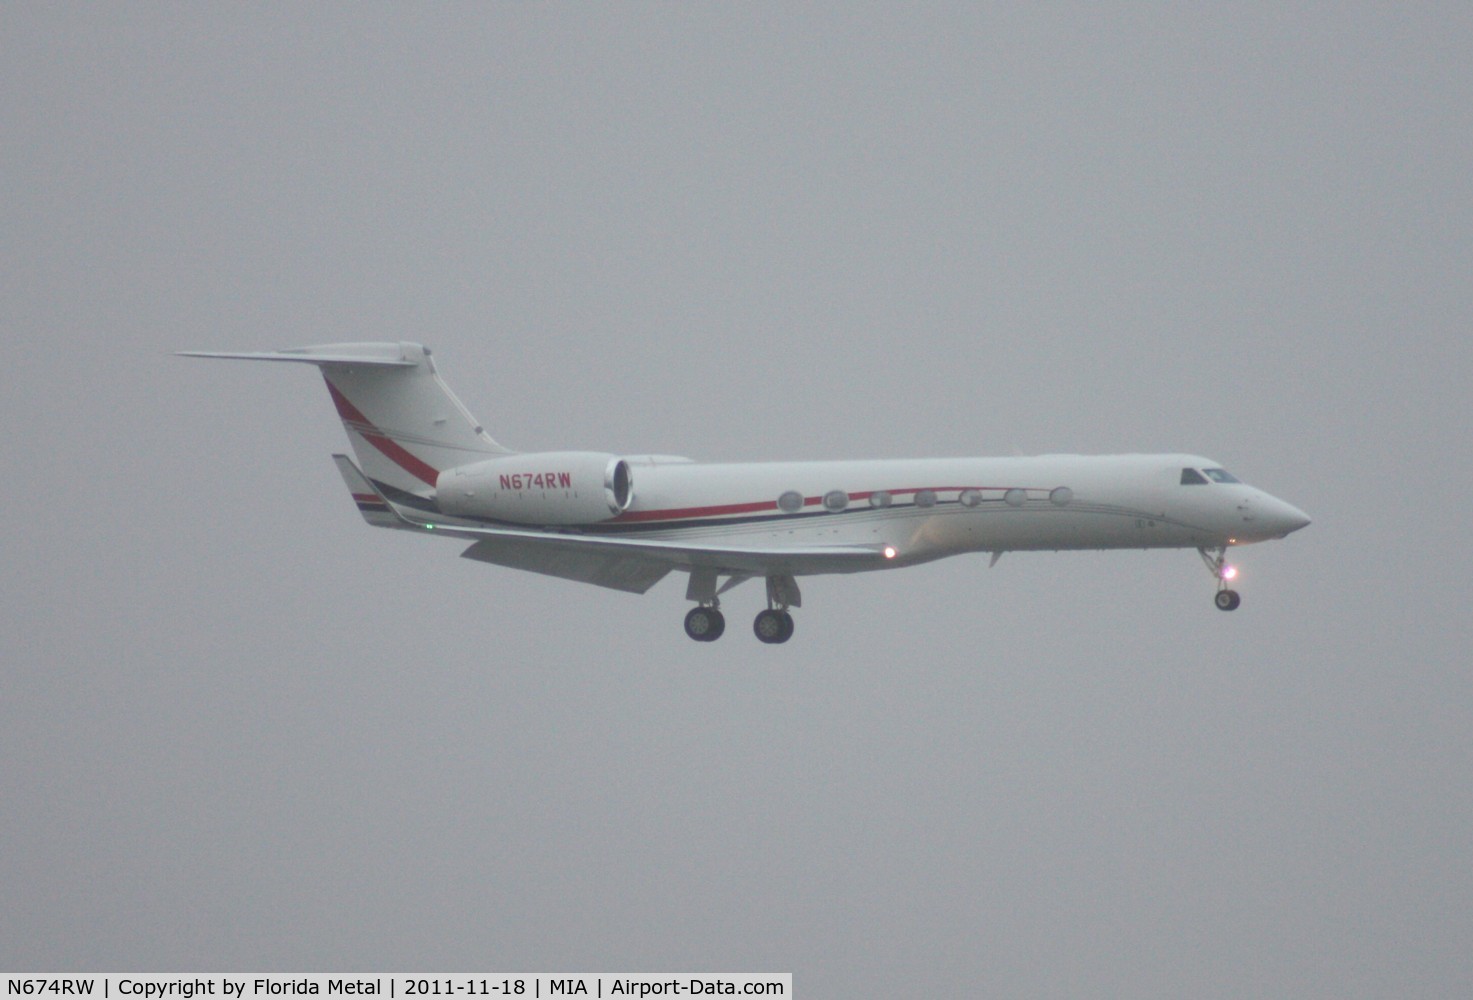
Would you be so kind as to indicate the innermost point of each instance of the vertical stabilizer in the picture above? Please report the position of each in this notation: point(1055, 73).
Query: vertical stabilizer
point(404, 423)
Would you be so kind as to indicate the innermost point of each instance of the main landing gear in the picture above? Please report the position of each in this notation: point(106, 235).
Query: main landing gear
point(706, 623)
point(1226, 598)
point(773, 625)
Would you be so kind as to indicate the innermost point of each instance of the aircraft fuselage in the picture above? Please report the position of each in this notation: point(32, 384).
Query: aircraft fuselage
point(930, 508)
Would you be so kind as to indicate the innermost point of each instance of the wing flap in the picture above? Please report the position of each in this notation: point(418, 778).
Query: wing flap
point(616, 570)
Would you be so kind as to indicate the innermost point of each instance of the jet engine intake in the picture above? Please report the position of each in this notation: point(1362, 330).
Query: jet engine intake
point(544, 488)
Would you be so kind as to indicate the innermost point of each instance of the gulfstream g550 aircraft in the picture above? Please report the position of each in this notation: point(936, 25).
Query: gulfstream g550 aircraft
point(624, 521)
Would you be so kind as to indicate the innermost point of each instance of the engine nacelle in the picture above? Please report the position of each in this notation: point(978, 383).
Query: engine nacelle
point(552, 487)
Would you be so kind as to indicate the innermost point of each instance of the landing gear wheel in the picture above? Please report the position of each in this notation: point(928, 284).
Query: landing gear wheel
point(773, 626)
point(704, 624)
point(1217, 565)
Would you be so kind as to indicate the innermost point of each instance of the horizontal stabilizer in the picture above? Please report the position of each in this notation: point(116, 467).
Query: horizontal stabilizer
point(373, 355)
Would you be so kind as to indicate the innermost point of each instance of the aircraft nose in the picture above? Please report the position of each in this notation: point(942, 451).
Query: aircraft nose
point(1282, 518)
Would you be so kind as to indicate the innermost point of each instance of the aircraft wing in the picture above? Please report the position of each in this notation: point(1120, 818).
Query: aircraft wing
point(630, 564)
point(618, 570)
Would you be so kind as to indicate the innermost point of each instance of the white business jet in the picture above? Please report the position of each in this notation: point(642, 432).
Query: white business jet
point(625, 521)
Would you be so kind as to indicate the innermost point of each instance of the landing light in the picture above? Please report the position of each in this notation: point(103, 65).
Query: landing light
point(890, 552)
point(1230, 572)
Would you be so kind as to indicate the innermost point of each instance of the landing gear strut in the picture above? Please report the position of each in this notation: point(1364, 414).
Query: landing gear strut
point(1226, 598)
point(705, 622)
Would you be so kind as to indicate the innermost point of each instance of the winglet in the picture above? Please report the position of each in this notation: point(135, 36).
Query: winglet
point(376, 510)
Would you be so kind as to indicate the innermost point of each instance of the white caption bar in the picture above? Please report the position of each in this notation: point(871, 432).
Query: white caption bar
point(394, 986)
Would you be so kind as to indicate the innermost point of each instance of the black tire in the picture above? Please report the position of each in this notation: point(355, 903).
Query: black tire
point(770, 626)
point(1227, 600)
point(704, 624)
point(787, 627)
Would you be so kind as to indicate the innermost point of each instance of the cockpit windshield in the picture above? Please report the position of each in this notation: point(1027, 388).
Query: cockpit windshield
point(1191, 477)
point(1220, 476)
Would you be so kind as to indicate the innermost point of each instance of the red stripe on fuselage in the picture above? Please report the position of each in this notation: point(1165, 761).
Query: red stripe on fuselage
point(394, 451)
point(630, 516)
point(723, 510)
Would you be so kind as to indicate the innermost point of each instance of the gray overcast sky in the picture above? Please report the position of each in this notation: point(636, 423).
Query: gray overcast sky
point(240, 730)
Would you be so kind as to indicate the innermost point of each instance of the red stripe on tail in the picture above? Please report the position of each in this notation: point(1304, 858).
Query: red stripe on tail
point(394, 451)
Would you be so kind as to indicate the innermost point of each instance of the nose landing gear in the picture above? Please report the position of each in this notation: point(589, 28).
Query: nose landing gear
point(1226, 598)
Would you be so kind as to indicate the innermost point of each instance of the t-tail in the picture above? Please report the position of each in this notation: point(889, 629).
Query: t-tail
point(404, 423)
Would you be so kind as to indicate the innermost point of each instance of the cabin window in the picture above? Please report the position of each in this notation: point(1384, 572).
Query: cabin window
point(1220, 476)
point(925, 498)
point(1191, 477)
point(790, 502)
